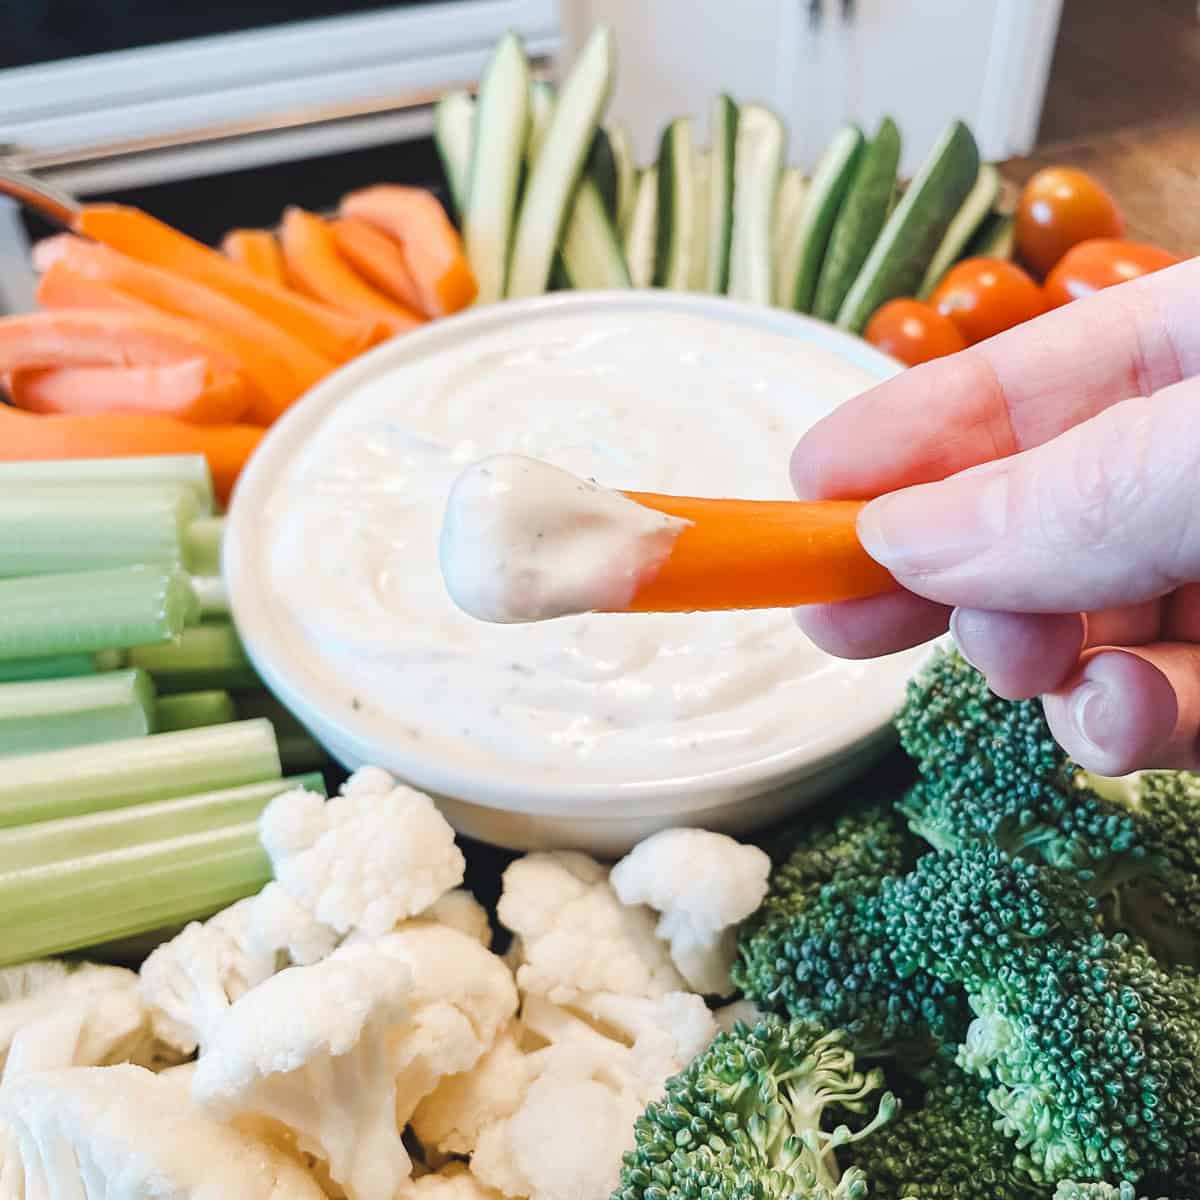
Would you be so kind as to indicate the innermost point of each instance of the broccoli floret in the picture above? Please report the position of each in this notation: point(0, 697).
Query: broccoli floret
point(1098, 1191)
point(944, 1146)
point(808, 954)
point(992, 772)
point(1089, 1048)
point(752, 1119)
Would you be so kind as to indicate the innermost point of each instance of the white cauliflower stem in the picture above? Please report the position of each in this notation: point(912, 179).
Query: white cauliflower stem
point(54, 1014)
point(122, 1133)
point(309, 1052)
point(703, 884)
point(576, 936)
point(366, 860)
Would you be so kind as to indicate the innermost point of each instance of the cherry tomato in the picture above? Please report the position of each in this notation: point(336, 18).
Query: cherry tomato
point(986, 296)
point(913, 332)
point(1100, 263)
point(1059, 208)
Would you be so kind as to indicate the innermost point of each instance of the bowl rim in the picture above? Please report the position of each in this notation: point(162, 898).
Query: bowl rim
point(364, 733)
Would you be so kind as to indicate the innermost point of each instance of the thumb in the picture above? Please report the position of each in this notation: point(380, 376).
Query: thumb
point(1103, 515)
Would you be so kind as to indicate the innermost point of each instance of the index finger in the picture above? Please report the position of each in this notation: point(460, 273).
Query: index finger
point(1014, 391)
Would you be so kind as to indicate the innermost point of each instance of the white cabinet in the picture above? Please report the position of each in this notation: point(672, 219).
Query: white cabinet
point(921, 61)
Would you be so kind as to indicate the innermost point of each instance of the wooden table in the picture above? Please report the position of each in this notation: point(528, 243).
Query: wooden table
point(1153, 171)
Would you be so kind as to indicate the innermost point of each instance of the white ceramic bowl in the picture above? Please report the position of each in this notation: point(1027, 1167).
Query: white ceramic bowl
point(511, 808)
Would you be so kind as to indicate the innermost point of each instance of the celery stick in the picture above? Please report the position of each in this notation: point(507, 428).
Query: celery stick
point(58, 666)
point(84, 779)
point(49, 528)
point(298, 750)
point(45, 615)
point(203, 540)
point(49, 714)
point(67, 905)
point(209, 655)
point(211, 595)
point(189, 470)
point(104, 832)
point(192, 710)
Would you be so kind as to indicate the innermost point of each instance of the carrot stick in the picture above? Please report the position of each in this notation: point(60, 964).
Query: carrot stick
point(257, 251)
point(336, 335)
point(432, 247)
point(123, 435)
point(378, 259)
point(189, 390)
point(739, 554)
point(282, 367)
point(313, 264)
point(61, 287)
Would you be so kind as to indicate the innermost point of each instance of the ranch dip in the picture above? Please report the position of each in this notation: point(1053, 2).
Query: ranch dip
point(655, 402)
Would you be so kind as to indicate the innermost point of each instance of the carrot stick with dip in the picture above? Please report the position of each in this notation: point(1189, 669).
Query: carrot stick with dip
point(525, 541)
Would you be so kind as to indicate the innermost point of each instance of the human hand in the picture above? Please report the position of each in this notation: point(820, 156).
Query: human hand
point(1048, 515)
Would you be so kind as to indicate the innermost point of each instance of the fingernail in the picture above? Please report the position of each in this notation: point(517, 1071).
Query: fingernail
point(960, 631)
point(936, 526)
point(1097, 715)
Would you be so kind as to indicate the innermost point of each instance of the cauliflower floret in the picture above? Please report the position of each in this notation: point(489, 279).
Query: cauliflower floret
point(451, 1118)
point(703, 884)
point(460, 910)
point(729, 1015)
point(452, 1182)
point(122, 1133)
point(576, 935)
point(279, 925)
point(190, 981)
point(460, 998)
point(309, 1051)
point(54, 1014)
point(368, 859)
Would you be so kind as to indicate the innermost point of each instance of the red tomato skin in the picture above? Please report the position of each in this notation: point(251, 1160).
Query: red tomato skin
point(912, 332)
point(1102, 263)
point(986, 296)
point(1059, 208)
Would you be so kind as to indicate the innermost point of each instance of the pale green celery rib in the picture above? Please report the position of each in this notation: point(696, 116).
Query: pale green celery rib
point(203, 542)
point(187, 470)
point(212, 596)
point(209, 655)
point(52, 528)
point(83, 902)
point(105, 832)
point(298, 749)
point(50, 714)
point(89, 611)
point(57, 666)
point(86, 779)
point(192, 710)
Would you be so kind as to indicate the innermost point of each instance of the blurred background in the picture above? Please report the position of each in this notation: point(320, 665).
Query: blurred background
point(218, 114)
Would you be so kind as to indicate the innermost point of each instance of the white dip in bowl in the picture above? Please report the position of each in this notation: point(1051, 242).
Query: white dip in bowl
point(586, 731)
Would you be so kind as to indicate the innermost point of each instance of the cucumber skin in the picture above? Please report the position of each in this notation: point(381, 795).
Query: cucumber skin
point(920, 230)
point(721, 246)
point(601, 169)
point(667, 229)
point(814, 248)
point(863, 214)
point(994, 238)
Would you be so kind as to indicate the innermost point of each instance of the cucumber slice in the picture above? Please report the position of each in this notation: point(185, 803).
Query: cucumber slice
point(627, 175)
point(643, 230)
point(789, 212)
point(723, 152)
point(995, 237)
point(801, 267)
point(558, 166)
point(499, 137)
point(698, 275)
point(591, 254)
point(915, 229)
point(676, 207)
point(601, 169)
point(863, 214)
point(453, 130)
point(758, 159)
point(969, 217)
